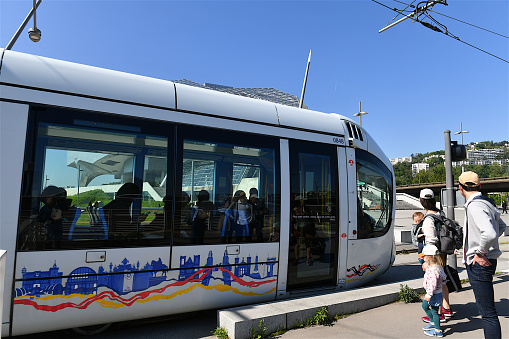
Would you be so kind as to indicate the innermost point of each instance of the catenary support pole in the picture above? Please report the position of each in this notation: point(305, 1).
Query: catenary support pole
point(449, 188)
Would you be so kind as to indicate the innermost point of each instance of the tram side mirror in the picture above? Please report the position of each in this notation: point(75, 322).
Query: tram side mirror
point(459, 200)
point(458, 152)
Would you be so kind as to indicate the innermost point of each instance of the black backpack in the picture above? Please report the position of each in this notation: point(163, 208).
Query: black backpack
point(449, 234)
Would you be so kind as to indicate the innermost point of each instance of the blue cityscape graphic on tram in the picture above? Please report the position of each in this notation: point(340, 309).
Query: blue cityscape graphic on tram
point(84, 280)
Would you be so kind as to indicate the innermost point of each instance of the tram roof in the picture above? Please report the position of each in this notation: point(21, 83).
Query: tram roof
point(57, 82)
point(63, 77)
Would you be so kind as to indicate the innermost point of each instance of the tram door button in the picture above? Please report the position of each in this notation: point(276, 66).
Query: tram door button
point(232, 250)
point(96, 256)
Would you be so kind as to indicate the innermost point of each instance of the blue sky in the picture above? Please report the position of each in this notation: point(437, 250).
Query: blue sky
point(414, 83)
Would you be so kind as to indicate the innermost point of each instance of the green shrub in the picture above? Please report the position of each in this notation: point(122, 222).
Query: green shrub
point(279, 331)
point(221, 333)
point(262, 331)
point(321, 317)
point(408, 295)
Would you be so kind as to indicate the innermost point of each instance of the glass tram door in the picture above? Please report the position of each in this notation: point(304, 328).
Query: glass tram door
point(313, 238)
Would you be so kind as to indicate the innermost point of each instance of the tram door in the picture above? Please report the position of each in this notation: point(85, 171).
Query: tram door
point(313, 250)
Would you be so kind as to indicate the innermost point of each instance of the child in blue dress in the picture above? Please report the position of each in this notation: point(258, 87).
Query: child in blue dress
point(434, 278)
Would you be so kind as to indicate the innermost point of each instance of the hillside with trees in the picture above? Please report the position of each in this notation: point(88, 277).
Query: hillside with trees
point(436, 172)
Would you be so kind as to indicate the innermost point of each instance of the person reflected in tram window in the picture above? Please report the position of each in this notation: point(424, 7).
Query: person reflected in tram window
point(307, 231)
point(275, 235)
point(90, 212)
point(55, 211)
point(224, 224)
point(239, 214)
point(159, 222)
point(200, 217)
point(118, 211)
point(294, 235)
point(259, 212)
point(365, 222)
point(183, 206)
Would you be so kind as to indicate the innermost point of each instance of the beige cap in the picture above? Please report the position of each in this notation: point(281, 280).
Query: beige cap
point(469, 179)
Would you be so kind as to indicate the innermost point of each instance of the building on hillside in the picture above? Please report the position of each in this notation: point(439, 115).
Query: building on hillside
point(484, 154)
point(403, 159)
point(420, 166)
point(481, 162)
point(435, 156)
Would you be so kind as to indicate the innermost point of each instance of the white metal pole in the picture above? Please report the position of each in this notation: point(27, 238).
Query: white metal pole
point(301, 102)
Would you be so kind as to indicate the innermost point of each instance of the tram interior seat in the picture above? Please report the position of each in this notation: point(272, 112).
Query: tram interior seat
point(97, 229)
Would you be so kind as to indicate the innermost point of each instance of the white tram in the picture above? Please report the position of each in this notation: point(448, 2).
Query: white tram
point(126, 197)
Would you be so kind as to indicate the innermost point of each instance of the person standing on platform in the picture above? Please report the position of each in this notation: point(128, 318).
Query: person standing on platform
point(434, 280)
point(428, 201)
point(483, 226)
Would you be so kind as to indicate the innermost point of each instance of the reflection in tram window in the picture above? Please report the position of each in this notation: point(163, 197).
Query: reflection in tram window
point(85, 196)
point(374, 196)
point(227, 194)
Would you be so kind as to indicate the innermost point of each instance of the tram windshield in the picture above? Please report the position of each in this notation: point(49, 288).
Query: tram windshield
point(374, 196)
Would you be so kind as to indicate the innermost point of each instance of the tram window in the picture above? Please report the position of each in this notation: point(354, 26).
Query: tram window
point(374, 196)
point(83, 193)
point(228, 193)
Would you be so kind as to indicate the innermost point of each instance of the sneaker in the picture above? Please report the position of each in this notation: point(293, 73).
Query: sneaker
point(426, 319)
point(310, 262)
point(447, 312)
point(428, 327)
point(294, 262)
point(434, 333)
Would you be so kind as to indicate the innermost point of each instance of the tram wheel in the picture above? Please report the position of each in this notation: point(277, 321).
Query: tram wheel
point(91, 330)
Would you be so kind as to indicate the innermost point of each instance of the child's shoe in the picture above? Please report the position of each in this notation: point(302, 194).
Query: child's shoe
point(428, 327)
point(310, 262)
point(434, 333)
point(447, 312)
point(426, 319)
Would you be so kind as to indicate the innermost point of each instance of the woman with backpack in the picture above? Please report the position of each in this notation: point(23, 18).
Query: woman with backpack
point(428, 201)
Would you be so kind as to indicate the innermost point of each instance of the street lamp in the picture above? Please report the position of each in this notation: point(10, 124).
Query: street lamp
point(33, 33)
point(79, 178)
point(360, 114)
point(461, 132)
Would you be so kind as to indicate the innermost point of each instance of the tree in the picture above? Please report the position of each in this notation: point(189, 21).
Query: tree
point(435, 161)
point(437, 173)
point(403, 173)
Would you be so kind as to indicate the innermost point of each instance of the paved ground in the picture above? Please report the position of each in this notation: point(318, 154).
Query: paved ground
point(400, 320)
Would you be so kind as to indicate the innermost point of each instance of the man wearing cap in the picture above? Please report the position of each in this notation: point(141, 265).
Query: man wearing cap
point(483, 226)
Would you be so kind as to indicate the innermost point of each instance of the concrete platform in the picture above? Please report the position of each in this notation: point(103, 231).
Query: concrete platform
point(286, 314)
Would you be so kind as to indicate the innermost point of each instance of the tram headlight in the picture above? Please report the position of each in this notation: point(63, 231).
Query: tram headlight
point(34, 34)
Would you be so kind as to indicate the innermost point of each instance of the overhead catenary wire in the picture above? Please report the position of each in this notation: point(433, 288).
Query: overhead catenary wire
point(404, 10)
point(435, 28)
point(449, 34)
point(484, 29)
point(450, 17)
